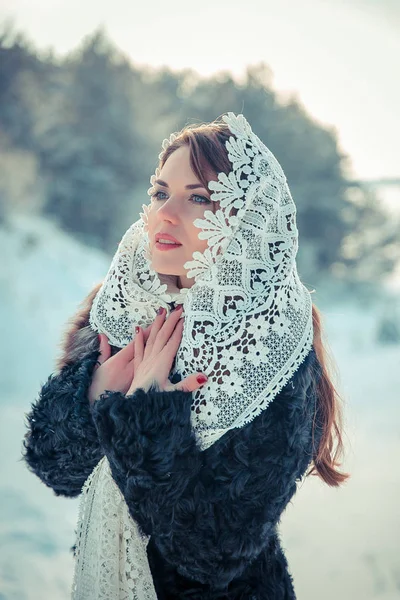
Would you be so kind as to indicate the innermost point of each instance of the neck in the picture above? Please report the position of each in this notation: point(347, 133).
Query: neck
point(184, 282)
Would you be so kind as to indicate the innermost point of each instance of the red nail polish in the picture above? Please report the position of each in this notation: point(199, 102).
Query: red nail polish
point(160, 310)
point(201, 378)
point(137, 329)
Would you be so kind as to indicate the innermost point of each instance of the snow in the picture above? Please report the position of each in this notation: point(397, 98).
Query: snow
point(339, 542)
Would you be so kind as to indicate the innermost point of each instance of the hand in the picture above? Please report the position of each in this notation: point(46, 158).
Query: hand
point(114, 372)
point(153, 360)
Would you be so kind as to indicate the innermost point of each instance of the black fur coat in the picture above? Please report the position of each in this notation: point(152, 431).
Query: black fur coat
point(212, 515)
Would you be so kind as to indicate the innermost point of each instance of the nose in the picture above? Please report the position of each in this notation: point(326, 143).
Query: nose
point(169, 210)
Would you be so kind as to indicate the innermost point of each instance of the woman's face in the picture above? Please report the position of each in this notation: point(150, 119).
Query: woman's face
point(178, 199)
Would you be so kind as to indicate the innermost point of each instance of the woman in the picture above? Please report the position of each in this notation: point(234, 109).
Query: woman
point(186, 430)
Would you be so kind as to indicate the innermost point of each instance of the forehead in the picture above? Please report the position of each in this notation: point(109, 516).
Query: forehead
point(177, 169)
point(178, 164)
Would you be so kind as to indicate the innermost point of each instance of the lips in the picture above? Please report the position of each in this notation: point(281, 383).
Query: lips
point(166, 236)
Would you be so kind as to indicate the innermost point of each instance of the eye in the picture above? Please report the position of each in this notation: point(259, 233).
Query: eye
point(203, 199)
point(195, 198)
point(156, 195)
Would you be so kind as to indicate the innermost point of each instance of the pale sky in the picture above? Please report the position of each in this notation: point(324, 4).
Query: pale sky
point(341, 57)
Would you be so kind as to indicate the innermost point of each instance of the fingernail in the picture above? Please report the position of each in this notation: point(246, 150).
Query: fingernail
point(137, 329)
point(201, 378)
point(160, 310)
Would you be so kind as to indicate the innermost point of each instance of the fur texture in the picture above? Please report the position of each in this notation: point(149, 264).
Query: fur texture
point(61, 445)
point(212, 515)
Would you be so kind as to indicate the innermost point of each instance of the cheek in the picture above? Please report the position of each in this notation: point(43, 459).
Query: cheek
point(186, 220)
point(151, 221)
point(197, 244)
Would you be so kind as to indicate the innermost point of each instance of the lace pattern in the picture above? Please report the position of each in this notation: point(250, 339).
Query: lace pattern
point(111, 557)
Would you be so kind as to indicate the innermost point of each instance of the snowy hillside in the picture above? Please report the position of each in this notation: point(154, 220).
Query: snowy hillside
point(340, 543)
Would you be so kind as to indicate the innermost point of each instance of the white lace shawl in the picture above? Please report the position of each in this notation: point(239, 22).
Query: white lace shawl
point(111, 559)
point(248, 326)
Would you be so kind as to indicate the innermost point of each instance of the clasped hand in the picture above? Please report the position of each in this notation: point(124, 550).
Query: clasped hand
point(145, 361)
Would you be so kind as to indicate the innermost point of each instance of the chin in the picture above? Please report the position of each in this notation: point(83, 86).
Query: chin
point(160, 267)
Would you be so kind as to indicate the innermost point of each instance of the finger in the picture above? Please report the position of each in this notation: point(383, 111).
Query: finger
point(105, 349)
point(168, 329)
point(146, 333)
point(155, 328)
point(191, 383)
point(139, 348)
point(127, 354)
point(129, 350)
point(170, 349)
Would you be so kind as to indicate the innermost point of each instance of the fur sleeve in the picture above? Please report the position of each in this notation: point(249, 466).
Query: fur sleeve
point(209, 513)
point(61, 445)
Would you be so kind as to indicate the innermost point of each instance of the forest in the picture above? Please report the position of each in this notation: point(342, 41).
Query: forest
point(80, 136)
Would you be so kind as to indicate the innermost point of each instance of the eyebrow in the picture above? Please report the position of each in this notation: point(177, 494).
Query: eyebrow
point(191, 186)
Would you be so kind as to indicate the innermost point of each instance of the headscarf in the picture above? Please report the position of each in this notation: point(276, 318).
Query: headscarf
point(248, 324)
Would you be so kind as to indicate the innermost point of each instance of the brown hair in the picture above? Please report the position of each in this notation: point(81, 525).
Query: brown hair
point(208, 156)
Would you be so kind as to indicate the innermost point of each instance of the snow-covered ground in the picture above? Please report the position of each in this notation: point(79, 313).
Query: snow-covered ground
point(340, 543)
